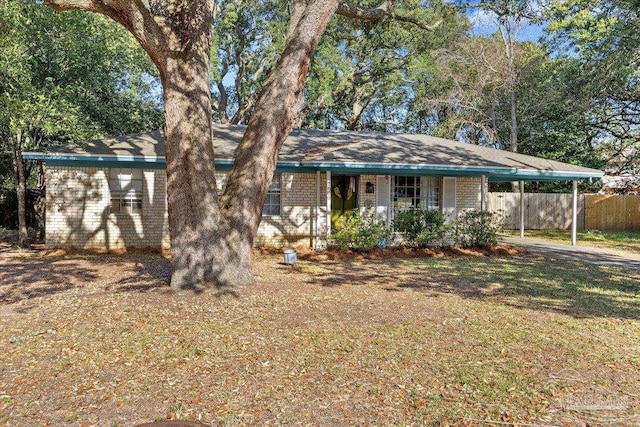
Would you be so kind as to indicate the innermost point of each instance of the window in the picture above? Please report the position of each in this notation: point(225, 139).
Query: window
point(414, 192)
point(272, 203)
point(126, 190)
point(431, 193)
point(406, 192)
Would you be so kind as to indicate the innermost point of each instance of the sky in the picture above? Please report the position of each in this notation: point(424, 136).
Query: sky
point(484, 23)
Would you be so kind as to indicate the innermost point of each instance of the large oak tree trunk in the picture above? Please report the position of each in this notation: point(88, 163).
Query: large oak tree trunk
point(206, 249)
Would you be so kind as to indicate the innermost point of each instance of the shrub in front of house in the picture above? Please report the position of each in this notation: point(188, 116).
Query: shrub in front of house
point(477, 229)
point(421, 227)
point(357, 232)
point(418, 228)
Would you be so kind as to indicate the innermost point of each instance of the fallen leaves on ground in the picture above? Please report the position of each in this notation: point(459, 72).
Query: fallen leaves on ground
point(337, 339)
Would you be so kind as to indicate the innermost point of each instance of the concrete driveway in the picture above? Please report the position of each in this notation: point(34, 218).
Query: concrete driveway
point(598, 256)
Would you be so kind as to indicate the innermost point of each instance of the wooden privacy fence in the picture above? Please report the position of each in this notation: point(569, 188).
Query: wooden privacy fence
point(541, 210)
point(612, 212)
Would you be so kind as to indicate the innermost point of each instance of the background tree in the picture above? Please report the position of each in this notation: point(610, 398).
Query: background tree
point(481, 76)
point(500, 91)
point(364, 75)
point(65, 78)
point(468, 96)
point(510, 15)
point(248, 36)
point(604, 40)
point(31, 117)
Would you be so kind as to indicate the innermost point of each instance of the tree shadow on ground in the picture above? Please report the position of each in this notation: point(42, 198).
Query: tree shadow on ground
point(22, 279)
point(149, 272)
point(525, 281)
point(31, 275)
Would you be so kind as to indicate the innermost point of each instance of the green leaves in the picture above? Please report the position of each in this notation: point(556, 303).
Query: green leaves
point(365, 74)
point(358, 232)
point(602, 38)
point(68, 77)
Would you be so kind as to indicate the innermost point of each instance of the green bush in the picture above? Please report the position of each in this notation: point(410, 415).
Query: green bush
point(421, 227)
point(477, 229)
point(357, 232)
point(440, 235)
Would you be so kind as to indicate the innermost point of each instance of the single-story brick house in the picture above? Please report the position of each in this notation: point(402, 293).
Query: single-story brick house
point(111, 193)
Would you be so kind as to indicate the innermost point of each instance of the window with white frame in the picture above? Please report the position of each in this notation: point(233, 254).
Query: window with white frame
point(431, 192)
point(406, 192)
point(126, 190)
point(414, 192)
point(272, 203)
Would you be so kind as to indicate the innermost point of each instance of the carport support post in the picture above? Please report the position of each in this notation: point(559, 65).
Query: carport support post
point(522, 209)
point(574, 215)
point(318, 195)
point(483, 192)
point(328, 205)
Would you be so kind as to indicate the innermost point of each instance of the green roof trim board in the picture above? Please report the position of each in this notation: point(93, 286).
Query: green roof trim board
point(310, 150)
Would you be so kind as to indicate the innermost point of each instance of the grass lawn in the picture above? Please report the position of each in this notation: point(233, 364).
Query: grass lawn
point(445, 340)
point(623, 241)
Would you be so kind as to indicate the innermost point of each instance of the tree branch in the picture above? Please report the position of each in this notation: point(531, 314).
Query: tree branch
point(364, 13)
point(133, 15)
point(382, 11)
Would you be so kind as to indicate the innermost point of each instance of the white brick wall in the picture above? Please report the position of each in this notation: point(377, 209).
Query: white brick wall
point(78, 209)
point(297, 221)
point(467, 194)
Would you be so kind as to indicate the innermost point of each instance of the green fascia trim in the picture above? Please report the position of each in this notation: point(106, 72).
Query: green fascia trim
point(137, 162)
point(494, 174)
point(48, 157)
point(533, 175)
point(106, 164)
point(286, 167)
point(452, 170)
point(99, 162)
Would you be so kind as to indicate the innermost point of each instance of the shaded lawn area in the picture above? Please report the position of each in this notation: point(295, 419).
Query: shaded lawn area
point(622, 240)
point(99, 340)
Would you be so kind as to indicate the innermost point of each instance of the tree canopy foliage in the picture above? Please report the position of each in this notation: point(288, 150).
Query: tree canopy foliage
point(65, 79)
point(604, 39)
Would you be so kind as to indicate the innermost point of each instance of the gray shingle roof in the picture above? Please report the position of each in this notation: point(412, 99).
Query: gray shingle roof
point(365, 152)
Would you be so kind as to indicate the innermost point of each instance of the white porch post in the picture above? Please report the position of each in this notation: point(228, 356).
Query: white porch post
point(483, 190)
point(574, 215)
point(522, 209)
point(328, 205)
point(318, 195)
point(390, 208)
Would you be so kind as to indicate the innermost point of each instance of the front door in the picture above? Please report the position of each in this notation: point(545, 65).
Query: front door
point(344, 196)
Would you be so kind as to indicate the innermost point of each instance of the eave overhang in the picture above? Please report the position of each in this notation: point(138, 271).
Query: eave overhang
point(494, 173)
